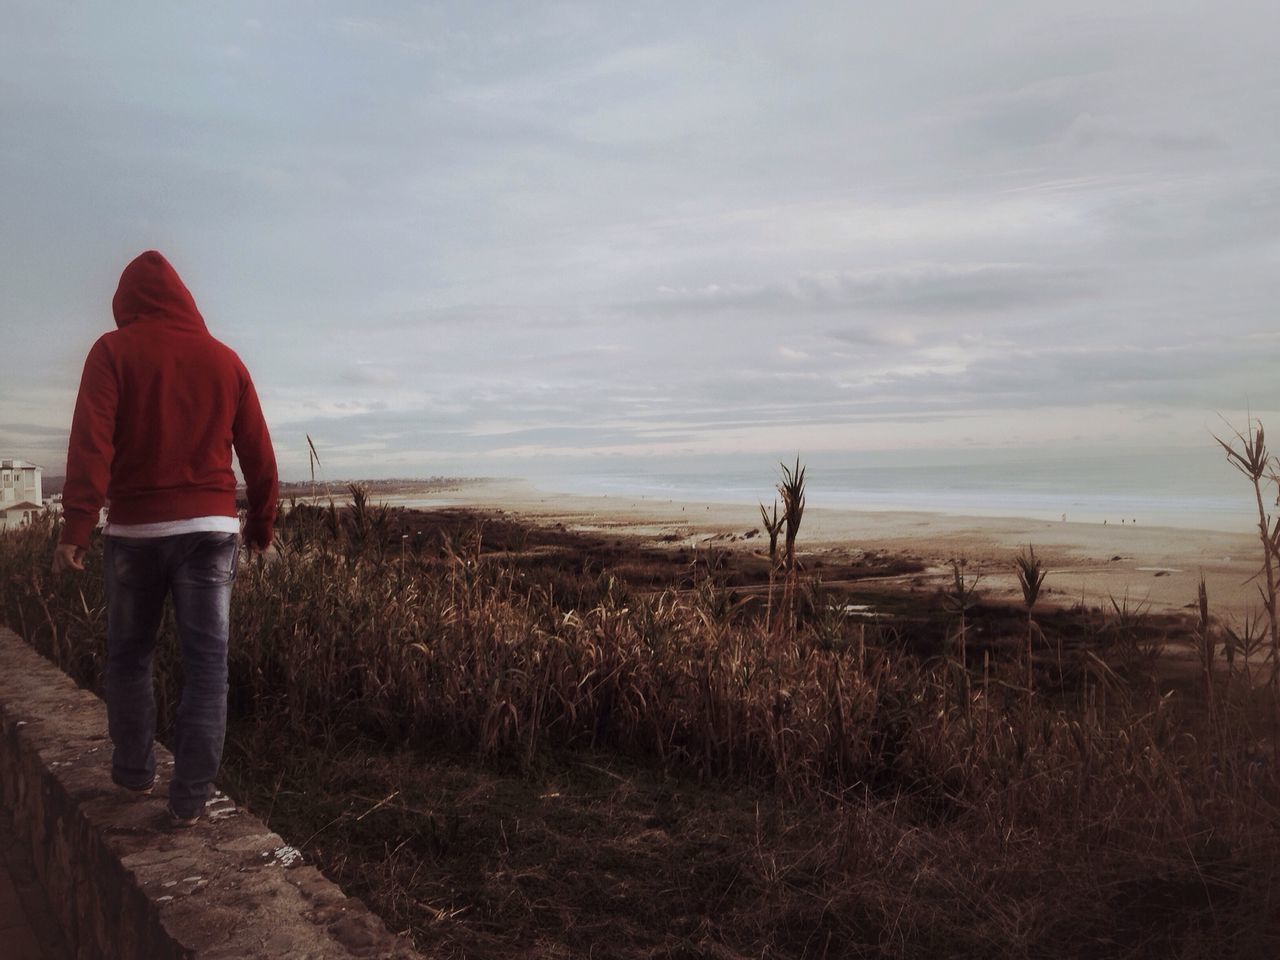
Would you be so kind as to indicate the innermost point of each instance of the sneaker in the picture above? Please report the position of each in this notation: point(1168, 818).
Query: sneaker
point(142, 791)
point(182, 823)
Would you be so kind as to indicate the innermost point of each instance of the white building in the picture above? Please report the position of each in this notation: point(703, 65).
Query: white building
point(21, 496)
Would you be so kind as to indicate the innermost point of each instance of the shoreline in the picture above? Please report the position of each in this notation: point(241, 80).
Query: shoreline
point(1154, 567)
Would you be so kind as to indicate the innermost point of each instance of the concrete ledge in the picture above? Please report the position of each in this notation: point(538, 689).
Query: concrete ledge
point(122, 883)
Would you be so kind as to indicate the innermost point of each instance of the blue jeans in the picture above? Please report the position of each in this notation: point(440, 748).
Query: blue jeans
point(198, 569)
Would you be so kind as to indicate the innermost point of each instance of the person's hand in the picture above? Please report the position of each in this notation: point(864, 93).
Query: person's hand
point(67, 556)
point(255, 540)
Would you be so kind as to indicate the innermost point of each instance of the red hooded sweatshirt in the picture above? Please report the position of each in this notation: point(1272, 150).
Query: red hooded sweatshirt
point(161, 406)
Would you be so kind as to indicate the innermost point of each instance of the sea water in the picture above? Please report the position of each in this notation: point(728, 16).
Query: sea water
point(1192, 488)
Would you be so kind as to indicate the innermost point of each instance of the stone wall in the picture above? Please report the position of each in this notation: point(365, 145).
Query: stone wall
point(124, 884)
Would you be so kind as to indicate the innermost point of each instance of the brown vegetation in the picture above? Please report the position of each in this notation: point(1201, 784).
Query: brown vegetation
point(521, 742)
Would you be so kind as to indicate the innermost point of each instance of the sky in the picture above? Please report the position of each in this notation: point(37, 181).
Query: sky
point(483, 238)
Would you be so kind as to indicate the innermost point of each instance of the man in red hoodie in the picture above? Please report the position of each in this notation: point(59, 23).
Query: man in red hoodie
point(162, 404)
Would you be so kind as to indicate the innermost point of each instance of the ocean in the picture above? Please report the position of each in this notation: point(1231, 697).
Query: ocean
point(1193, 488)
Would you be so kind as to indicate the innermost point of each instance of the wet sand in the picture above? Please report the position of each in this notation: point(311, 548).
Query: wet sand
point(1158, 567)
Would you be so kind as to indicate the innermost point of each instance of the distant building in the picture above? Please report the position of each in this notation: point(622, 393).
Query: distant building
point(21, 497)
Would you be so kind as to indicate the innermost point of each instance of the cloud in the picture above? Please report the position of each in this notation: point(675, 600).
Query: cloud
point(469, 229)
point(29, 430)
point(1088, 130)
point(928, 290)
point(370, 373)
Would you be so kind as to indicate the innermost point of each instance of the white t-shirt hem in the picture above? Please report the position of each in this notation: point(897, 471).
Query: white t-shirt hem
point(172, 528)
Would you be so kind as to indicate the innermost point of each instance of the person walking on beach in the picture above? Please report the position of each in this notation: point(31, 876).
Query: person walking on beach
point(162, 404)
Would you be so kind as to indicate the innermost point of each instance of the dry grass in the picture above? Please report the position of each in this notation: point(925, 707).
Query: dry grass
point(407, 714)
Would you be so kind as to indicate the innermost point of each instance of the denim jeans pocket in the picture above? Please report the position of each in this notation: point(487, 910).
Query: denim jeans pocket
point(213, 558)
point(132, 562)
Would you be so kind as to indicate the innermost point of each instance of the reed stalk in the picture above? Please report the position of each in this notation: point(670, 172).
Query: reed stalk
point(1247, 451)
point(960, 599)
point(792, 490)
point(773, 525)
point(1031, 574)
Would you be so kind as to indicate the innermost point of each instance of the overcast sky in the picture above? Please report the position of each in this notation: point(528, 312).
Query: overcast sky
point(473, 236)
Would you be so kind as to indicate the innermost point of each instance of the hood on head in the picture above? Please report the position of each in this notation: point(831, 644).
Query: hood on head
point(151, 290)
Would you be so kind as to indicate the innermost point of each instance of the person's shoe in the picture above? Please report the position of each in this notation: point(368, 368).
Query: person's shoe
point(182, 823)
point(142, 791)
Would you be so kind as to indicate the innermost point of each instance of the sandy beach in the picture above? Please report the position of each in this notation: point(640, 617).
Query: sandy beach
point(1158, 567)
